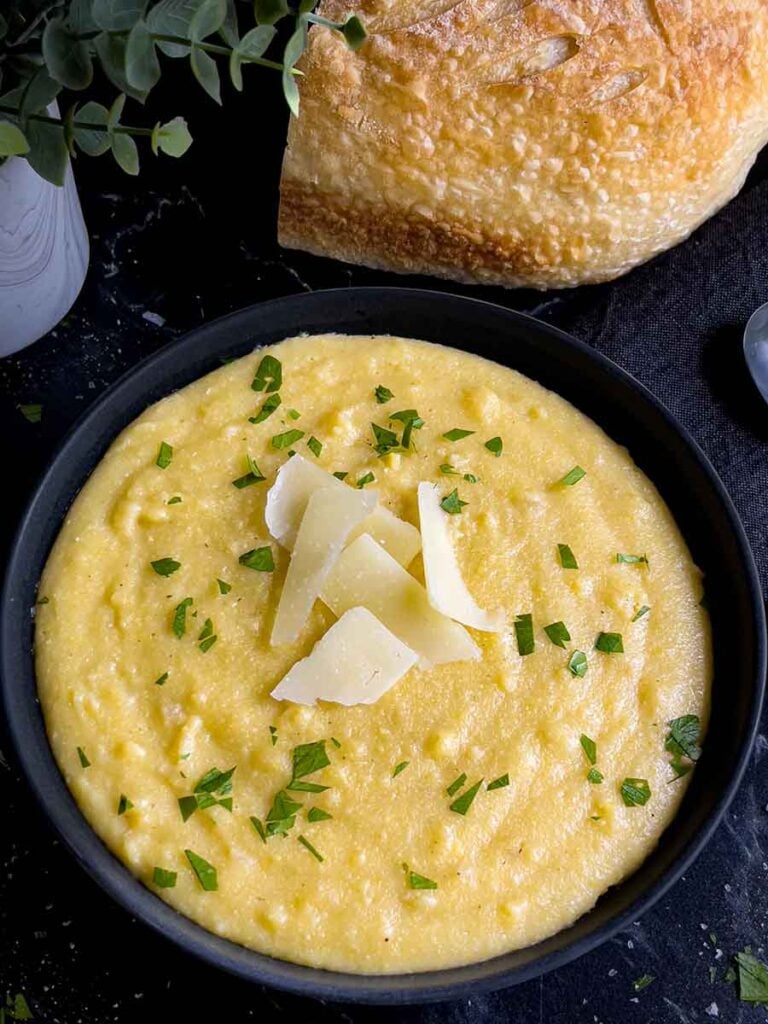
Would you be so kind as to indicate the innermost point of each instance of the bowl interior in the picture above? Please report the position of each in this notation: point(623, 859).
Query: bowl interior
point(600, 389)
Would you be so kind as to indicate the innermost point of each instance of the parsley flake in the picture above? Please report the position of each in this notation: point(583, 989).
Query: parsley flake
point(165, 566)
point(524, 634)
point(369, 478)
point(567, 557)
point(753, 978)
point(452, 503)
point(635, 792)
point(448, 470)
point(495, 446)
point(683, 743)
point(273, 735)
point(207, 637)
point(640, 613)
point(456, 785)
point(400, 768)
point(253, 476)
point(577, 664)
point(416, 881)
point(382, 394)
point(281, 816)
point(180, 617)
point(500, 783)
point(457, 434)
point(385, 440)
point(259, 559)
point(632, 559)
point(175, 500)
point(258, 825)
point(557, 633)
point(609, 643)
point(286, 439)
point(594, 776)
point(269, 406)
point(341, 474)
point(164, 455)
point(573, 476)
point(224, 587)
point(308, 846)
point(206, 873)
point(162, 680)
point(314, 446)
point(32, 412)
point(589, 747)
point(123, 804)
point(318, 814)
point(293, 414)
point(268, 376)
point(462, 803)
point(164, 879)
point(82, 758)
point(640, 983)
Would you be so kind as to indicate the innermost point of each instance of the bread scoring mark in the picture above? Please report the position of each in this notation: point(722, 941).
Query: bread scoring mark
point(471, 11)
point(619, 85)
point(538, 58)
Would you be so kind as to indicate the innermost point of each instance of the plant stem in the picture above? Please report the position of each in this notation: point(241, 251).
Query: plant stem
point(84, 125)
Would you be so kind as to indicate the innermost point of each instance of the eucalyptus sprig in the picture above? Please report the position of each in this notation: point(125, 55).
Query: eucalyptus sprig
point(51, 47)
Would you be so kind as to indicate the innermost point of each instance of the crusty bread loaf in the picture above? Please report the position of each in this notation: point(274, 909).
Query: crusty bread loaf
point(539, 143)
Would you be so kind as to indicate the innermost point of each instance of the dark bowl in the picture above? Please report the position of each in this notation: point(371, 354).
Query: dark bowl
point(629, 414)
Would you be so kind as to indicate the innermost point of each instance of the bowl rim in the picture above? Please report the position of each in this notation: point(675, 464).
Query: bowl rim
point(24, 721)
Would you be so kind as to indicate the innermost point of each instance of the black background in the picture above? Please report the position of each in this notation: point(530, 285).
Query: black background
point(192, 239)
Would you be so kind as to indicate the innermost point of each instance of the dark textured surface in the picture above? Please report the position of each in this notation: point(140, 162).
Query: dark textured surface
point(193, 240)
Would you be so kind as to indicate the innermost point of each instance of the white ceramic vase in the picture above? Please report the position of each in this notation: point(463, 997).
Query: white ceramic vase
point(43, 253)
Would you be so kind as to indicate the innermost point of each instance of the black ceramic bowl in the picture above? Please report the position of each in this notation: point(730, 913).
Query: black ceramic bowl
point(630, 415)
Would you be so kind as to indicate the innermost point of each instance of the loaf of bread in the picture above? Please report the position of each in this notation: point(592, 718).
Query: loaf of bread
point(537, 143)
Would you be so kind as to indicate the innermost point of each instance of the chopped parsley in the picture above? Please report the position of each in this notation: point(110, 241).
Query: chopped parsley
point(175, 500)
point(683, 743)
point(470, 478)
point(308, 758)
point(268, 376)
point(16, 1008)
point(416, 881)
point(385, 440)
point(314, 446)
point(632, 559)
point(635, 792)
point(557, 633)
point(293, 414)
point(573, 476)
point(589, 747)
point(269, 406)
point(457, 434)
point(180, 617)
point(82, 758)
point(500, 783)
point(162, 680)
point(273, 735)
point(205, 872)
point(164, 879)
point(224, 587)
point(213, 789)
point(524, 634)
point(411, 421)
point(577, 664)
point(643, 982)
point(399, 768)
point(207, 637)
point(308, 846)
point(383, 394)
point(640, 613)
point(341, 474)
point(594, 776)
point(32, 412)
point(609, 643)
point(318, 814)
point(369, 478)
point(164, 455)
point(259, 559)
point(462, 803)
point(448, 470)
point(452, 503)
point(335, 742)
point(253, 476)
point(165, 566)
point(258, 825)
point(123, 804)
point(567, 557)
point(286, 439)
point(42, 601)
point(753, 978)
point(456, 785)
point(495, 446)
point(281, 816)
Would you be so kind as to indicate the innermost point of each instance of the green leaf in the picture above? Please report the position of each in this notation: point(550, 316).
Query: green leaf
point(259, 559)
point(32, 412)
point(558, 633)
point(208, 18)
point(753, 978)
point(92, 142)
point(142, 68)
point(683, 738)
point(457, 433)
point(13, 142)
point(205, 872)
point(573, 476)
point(252, 46)
point(172, 18)
point(501, 783)
point(495, 446)
point(416, 881)
point(18, 1007)
point(309, 758)
point(567, 557)
point(164, 879)
point(399, 768)
point(80, 18)
point(577, 664)
point(524, 634)
point(40, 92)
point(229, 29)
point(589, 747)
point(110, 50)
point(48, 153)
point(452, 503)
point(164, 455)
point(635, 792)
point(382, 394)
point(640, 613)
point(308, 846)
point(66, 56)
point(171, 138)
point(609, 643)
point(267, 12)
point(354, 32)
point(115, 112)
point(595, 777)
point(126, 153)
point(286, 439)
point(462, 803)
point(206, 72)
point(293, 50)
point(180, 617)
point(318, 814)
point(118, 15)
point(165, 566)
point(456, 785)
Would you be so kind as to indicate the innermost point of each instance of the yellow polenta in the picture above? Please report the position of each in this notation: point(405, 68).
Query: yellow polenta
point(527, 858)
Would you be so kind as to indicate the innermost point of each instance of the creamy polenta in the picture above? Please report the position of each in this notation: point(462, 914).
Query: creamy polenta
point(478, 805)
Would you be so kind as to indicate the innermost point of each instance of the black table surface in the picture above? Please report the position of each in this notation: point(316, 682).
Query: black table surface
point(195, 238)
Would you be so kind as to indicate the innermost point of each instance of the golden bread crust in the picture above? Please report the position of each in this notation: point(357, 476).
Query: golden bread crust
point(539, 143)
